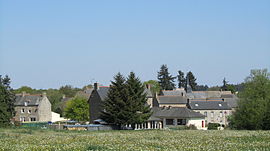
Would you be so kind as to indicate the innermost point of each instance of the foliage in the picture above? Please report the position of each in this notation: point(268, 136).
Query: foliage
point(192, 80)
point(137, 110)
point(166, 81)
point(55, 97)
point(150, 140)
point(77, 109)
point(125, 103)
point(254, 103)
point(68, 90)
point(114, 106)
point(201, 88)
point(28, 89)
point(7, 100)
point(213, 126)
point(181, 79)
point(154, 86)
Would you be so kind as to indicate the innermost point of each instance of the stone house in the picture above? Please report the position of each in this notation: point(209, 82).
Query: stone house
point(214, 111)
point(30, 108)
point(96, 99)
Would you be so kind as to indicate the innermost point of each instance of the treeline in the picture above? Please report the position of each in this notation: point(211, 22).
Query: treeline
point(166, 81)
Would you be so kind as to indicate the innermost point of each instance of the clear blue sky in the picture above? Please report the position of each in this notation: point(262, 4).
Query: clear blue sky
point(47, 44)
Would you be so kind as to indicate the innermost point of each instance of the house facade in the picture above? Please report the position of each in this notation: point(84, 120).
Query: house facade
point(31, 108)
point(214, 111)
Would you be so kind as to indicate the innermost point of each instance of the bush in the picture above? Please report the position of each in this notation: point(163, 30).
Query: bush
point(192, 127)
point(213, 126)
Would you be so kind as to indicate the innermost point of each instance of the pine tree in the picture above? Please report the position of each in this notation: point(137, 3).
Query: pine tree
point(7, 100)
point(136, 107)
point(225, 85)
point(181, 79)
point(192, 80)
point(115, 105)
point(165, 79)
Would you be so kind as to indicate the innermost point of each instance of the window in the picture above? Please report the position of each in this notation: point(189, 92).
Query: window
point(205, 114)
point(169, 121)
point(181, 122)
point(220, 105)
point(29, 111)
point(32, 119)
point(212, 114)
point(22, 110)
point(196, 104)
point(220, 114)
point(22, 119)
point(25, 103)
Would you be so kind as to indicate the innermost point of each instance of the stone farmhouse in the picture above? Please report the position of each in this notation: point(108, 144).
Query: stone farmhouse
point(30, 108)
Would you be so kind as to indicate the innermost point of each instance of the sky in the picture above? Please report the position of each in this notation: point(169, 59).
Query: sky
point(48, 44)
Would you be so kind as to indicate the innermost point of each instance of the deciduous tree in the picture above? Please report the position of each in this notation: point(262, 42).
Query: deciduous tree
point(7, 100)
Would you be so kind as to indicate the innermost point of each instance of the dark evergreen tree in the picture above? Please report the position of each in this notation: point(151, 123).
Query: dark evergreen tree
point(225, 85)
point(254, 105)
point(166, 81)
point(181, 79)
point(7, 100)
point(115, 105)
point(136, 108)
point(192, 80)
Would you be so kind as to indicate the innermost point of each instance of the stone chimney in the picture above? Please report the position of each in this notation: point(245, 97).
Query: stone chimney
point(96, 86)
point(148, 86)
point(23, 93)
point(44, 94)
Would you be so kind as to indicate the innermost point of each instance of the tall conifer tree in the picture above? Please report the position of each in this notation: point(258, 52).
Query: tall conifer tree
point(192, 80)
point(115, 104)
point(165, 80)
point(181, 79)
point(137, 109)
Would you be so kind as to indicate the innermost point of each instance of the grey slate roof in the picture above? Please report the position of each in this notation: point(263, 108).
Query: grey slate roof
point(103, 91)
point(32, 100)
point(204, 94)
point(175, 112)
point(178, 92)
point(171, 100)
point(209, 105)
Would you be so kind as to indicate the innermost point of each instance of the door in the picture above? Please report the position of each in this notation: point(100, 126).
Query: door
point(202, 124)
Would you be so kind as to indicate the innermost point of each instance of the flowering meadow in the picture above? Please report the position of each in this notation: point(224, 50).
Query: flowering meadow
point(49, 140)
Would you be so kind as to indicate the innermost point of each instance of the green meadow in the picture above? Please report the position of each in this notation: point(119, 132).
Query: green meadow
point(50, 140)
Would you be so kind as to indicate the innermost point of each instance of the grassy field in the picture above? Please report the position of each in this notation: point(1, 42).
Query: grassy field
point(37, 140)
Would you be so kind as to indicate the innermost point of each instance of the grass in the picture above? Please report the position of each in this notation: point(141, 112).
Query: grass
point(37, 139)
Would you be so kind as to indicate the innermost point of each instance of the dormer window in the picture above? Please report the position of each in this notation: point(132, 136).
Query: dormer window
point(220, 105)
point(25, 103)
point(196, 104)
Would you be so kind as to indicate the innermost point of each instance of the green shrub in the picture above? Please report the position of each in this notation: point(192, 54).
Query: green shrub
point(213, 126)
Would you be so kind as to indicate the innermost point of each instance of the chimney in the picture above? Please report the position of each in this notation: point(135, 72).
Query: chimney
point(96, 86)
point(23, 93)
point(44, 94)
point(148, 86)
